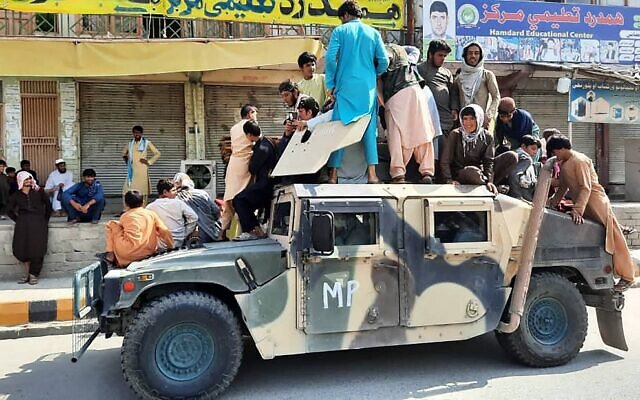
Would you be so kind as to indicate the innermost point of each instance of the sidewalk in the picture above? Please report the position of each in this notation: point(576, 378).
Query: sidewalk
point(50, 300)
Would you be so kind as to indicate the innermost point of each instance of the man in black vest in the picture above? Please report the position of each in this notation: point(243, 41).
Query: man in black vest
point(258, 194)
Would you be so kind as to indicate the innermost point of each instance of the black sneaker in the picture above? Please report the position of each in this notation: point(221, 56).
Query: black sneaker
point(426, 179)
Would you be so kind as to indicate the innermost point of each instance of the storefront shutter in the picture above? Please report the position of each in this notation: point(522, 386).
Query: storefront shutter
point(550, 109)
point(108, 111)
point(617, 135)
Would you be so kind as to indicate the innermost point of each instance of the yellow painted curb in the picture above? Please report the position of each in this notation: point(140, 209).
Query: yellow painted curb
point(14, 313)
point(64, 310)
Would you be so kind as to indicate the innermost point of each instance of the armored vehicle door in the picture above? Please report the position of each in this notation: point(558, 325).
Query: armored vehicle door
point(356, 287)
point(453, 261)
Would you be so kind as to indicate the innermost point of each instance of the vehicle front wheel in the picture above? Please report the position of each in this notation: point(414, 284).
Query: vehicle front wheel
point(553, 326)
point(184, 345)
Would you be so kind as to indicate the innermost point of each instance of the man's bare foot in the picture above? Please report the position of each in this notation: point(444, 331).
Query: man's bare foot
point(333, 176)
point(623, 285)
point(371, 174)
point(109, 256)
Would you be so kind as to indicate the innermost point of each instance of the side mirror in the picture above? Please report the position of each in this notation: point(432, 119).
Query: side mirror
point(322, 234)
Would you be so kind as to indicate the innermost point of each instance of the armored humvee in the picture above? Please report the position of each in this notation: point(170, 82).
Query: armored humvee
point(358, 266)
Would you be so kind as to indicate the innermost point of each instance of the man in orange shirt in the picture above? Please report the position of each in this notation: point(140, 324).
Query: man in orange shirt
point(137, 234)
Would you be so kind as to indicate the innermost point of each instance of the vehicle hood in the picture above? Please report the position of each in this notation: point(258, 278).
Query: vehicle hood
point(265, 257)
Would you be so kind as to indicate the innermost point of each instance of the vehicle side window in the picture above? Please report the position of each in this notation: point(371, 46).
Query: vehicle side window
point(461, 226)
point(281, 219)
point(356, 229)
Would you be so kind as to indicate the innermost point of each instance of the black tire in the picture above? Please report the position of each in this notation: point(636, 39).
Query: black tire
point(185, 345)
point(553, 326)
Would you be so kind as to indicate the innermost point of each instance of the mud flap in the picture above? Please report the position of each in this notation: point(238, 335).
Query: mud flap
point(609, 305)
point(611, 329)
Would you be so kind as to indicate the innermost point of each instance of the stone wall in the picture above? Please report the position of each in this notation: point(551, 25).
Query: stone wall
point(12, 122)
point(629, 214)
point(69, 249)
point(69, 127)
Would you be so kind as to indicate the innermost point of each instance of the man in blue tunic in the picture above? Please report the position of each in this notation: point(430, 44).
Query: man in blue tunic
point(356, 55)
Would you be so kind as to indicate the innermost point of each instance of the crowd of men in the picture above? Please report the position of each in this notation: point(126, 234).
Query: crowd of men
point(457, 129)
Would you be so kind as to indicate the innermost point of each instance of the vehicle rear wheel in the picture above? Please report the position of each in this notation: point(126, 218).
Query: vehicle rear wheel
point(184, 345)
point(553, 326)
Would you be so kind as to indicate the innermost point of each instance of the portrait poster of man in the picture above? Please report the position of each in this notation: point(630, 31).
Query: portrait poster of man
point(439, 22)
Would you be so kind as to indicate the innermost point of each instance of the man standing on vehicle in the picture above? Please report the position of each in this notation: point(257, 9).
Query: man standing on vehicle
point(355, 56)
point(409, 128)
point(237, 176)
point(590, 200)
point(477, 85)
point(256, 196)
point(312, 84)
point(440, 80)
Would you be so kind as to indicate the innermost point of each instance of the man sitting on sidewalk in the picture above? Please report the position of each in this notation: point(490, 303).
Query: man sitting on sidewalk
point(84, 201)
point(136, 235)
point(59, 180)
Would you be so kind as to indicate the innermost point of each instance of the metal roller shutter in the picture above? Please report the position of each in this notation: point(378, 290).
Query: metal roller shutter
point(223, 111)
point(617, 135)
point(108, 111)
point(549, 109)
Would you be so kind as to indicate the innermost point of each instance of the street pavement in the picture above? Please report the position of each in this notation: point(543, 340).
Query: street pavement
point(40, 368)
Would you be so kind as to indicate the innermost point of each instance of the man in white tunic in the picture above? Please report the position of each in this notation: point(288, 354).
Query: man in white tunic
point(136, 155)
point(176, 215)
point(59, 179)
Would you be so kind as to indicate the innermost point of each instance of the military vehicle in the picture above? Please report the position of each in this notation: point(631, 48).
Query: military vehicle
point(358, 266)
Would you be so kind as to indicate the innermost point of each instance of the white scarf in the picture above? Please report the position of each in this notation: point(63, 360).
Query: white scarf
point(470, 139)
point(471, 77)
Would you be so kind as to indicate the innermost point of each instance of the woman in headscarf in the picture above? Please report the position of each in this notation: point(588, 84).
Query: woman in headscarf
point(477, 85)
point(209, 224)
point(468, 158)
point(30, 209)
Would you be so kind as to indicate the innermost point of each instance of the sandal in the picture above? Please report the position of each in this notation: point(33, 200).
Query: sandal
point(33, 280)
point(23, 280)
point(627, 230)
point(622, 285)
point(399, 179)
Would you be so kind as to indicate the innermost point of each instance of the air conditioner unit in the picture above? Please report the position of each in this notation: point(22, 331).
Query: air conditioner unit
point(202, 173)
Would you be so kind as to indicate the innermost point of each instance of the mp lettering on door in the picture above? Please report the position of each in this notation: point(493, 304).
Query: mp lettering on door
point(339, 293)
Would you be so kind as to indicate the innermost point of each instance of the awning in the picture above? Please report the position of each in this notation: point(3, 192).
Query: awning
point(73, 58)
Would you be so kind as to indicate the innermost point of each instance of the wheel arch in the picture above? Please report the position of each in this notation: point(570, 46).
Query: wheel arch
point(219, 291)
point(572, 274)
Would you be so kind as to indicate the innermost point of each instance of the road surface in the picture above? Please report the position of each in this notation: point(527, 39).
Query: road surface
point(39, 368)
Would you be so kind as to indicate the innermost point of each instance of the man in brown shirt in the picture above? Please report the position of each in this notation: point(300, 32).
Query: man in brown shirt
point(590, 200)
point(469, 156)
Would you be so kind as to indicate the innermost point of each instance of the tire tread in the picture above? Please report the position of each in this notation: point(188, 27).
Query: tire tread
point(135, 332)
point(515, 343)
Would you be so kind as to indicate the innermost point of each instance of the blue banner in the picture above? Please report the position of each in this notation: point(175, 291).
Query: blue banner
point(604, 102)
point(513, 31)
